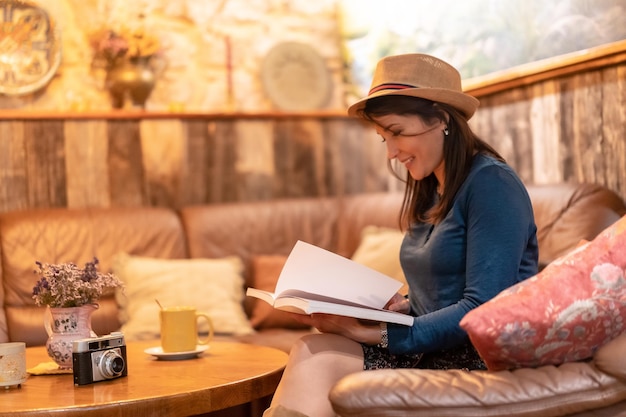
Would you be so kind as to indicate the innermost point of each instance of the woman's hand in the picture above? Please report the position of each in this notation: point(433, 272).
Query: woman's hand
point(355, 329)
point(327, 323)
point(399, 303)
point(346, 326)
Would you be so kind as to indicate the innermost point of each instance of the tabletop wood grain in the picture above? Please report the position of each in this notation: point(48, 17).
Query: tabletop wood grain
point(225, 375)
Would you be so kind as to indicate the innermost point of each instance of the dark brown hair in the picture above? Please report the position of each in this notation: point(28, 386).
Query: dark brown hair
point(459, 148)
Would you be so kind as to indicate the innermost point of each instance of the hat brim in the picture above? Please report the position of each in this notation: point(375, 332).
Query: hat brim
point(465, 103)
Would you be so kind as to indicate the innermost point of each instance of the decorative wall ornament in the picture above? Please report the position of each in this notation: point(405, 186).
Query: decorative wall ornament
point(295, 77)
point(30, 47)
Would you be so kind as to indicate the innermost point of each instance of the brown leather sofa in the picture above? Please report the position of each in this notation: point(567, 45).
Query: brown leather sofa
point(565, 214)
point(209, 231)
point(596, 387)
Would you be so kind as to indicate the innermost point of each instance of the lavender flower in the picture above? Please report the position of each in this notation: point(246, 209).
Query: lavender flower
point(67, 285)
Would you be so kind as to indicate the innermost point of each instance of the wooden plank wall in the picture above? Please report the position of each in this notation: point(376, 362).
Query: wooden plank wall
point(174, 162)
point(569, 127)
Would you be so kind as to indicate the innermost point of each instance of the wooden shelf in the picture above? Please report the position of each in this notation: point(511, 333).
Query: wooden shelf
point(140, 115)
point(559, 66)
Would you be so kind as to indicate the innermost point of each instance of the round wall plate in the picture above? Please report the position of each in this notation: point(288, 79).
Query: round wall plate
point(295, 77)
point(30, 47)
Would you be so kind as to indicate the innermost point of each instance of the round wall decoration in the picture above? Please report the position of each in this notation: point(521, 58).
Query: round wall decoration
point(295, 77)
point(30, 47)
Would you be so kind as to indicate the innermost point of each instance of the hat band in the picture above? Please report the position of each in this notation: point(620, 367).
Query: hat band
point(390, 87)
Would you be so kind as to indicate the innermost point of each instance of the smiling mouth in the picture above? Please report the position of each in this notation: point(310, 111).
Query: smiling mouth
point(407, 161)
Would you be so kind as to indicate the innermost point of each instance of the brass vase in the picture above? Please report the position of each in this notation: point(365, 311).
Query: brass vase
point(130, 82)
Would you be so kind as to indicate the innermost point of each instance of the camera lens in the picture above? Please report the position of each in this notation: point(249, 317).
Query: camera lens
point(111, 364)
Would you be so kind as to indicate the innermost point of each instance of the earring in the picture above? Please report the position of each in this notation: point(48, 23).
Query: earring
point(446, 131)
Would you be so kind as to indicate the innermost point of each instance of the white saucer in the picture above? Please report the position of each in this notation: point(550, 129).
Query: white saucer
point(175, 356)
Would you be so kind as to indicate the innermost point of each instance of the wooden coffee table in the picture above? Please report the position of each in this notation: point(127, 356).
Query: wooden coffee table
point(226, 375)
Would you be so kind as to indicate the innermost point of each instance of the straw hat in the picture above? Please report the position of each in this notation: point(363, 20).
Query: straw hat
point(418, 75)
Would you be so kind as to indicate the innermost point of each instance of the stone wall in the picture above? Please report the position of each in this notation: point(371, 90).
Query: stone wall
point(205, 43)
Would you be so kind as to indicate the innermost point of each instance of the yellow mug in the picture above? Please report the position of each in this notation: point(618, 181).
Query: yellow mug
point(179, 329)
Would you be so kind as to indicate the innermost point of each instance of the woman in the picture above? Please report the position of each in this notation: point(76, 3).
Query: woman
point(471, 234)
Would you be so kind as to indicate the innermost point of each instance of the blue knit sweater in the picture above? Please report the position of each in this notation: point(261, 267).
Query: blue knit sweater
point(486, 243)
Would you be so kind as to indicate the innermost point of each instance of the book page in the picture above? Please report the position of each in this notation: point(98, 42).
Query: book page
point(304, 306)
point(318, 271)
point(266, 296)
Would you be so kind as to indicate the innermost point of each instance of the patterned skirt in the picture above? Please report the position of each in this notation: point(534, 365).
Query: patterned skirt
point(463, 356)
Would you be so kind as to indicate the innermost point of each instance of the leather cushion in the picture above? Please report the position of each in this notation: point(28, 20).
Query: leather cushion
point(74, 235)
point(265, 272)
point(545, 391)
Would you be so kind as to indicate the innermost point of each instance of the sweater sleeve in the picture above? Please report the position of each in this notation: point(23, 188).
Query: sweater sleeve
point(494, 212)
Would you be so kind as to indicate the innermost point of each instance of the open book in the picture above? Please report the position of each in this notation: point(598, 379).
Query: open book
point(314, 280)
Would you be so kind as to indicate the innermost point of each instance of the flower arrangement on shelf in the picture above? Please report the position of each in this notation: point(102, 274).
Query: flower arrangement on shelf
point(111, 46)
point(67, 285)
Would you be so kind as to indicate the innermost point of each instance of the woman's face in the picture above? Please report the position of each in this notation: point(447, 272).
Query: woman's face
point(416, 145)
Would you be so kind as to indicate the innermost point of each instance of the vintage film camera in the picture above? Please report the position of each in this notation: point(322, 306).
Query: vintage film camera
point(99, 358)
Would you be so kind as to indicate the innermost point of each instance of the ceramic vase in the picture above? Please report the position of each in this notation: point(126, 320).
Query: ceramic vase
point(130, 82)
point(64, 325)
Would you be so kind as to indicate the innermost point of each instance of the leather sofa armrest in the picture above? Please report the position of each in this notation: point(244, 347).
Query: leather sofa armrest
point(546, 391)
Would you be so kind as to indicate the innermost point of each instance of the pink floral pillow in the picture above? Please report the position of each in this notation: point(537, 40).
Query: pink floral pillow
point(563, 314)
